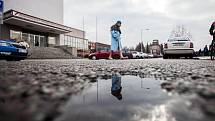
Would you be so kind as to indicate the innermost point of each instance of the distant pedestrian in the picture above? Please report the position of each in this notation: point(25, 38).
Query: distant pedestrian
point(212, 29)
point(212, 33)
point(116, 45)
point(200, 52)
point(206, 51)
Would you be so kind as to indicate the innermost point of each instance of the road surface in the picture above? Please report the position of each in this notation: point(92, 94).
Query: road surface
point(37, 90)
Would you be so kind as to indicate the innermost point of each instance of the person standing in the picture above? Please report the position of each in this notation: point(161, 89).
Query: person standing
point(212, 28)
point(116, 45)
point(206, 51)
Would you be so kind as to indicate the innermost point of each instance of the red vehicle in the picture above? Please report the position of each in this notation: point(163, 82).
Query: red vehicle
point(106, 54)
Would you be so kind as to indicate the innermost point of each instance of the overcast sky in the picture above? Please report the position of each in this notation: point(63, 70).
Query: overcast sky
point(160, 16)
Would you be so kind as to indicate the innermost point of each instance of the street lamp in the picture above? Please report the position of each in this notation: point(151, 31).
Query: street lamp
point(83, 37)
point(142, 37)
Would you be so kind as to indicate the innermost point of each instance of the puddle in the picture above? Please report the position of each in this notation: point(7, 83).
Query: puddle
point(126, 98)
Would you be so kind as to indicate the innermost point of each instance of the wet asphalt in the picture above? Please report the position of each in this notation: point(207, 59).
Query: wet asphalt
point(36, 90)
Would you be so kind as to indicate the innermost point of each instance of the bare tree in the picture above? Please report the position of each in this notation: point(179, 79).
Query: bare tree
point(180, 31)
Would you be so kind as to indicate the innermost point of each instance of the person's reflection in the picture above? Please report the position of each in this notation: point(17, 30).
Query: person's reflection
point(116, 86)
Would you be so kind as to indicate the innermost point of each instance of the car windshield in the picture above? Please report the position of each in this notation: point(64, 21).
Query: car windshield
point(3, 44)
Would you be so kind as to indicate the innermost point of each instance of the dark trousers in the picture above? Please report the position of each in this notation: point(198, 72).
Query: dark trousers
point(213, 42)
point(214, 37)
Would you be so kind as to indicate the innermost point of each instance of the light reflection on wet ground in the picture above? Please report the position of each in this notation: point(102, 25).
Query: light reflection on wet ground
point(127, 98)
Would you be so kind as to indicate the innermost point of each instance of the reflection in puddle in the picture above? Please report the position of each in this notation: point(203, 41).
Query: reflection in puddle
point(126, 98)
point(116, 86)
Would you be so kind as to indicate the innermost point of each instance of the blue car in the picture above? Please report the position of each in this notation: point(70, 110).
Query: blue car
point(11, 50)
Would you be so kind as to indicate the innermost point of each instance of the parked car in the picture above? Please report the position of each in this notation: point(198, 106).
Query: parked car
point(143, 55)
point(178, 47)
point(105, 55)
point(150, 56)
point(139, 55)
point(135, 54)
point(10, 50)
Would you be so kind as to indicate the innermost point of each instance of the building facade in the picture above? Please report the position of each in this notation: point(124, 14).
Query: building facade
point(155, 48)
point(40, 23)
point(51, 10)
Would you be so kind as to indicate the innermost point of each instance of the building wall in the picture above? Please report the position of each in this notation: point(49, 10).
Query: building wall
point(51, 10)
point(76, 33)
point(5, 32)
point(155, 49)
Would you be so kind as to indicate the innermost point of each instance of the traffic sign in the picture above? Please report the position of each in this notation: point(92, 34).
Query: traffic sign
point(1, 11)
point(1, 6)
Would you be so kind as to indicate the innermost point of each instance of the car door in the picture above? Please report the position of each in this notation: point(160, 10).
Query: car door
point(100, 55)
point(104, 54)
point(116, 55)
point(141, 55)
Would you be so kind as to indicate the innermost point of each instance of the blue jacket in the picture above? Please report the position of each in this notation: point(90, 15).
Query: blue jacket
point(115, 40)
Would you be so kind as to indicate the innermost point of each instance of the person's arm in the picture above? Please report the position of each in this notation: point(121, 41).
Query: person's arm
point(120, 31)
point(114, 34)
point(212, 29)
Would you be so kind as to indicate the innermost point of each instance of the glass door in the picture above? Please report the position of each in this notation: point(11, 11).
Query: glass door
point(31, 39)
point(36, 40)
point(42, 41)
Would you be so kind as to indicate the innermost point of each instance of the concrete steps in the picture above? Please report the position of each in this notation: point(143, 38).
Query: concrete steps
point(48, 53)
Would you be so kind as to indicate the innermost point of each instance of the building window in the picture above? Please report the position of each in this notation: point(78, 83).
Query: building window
point(31, 39)
point(52, 40)
point(37, 41)
point(76, 42)
point(17, 35)
point(25, 37)
point(72, 39)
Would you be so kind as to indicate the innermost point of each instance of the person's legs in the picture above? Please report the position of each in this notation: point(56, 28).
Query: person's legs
point(120, 49)
point(214, 37)
point(114, 46)
point(110, 56)
point(213, 41)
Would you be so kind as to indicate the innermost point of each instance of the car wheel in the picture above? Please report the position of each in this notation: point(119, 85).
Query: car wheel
point(137, 57)
point(10, 59)
point(165, 57)
point(17, 59)
point(94, 57)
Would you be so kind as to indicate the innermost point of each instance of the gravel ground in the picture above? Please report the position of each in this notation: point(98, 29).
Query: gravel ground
point(34, 90)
